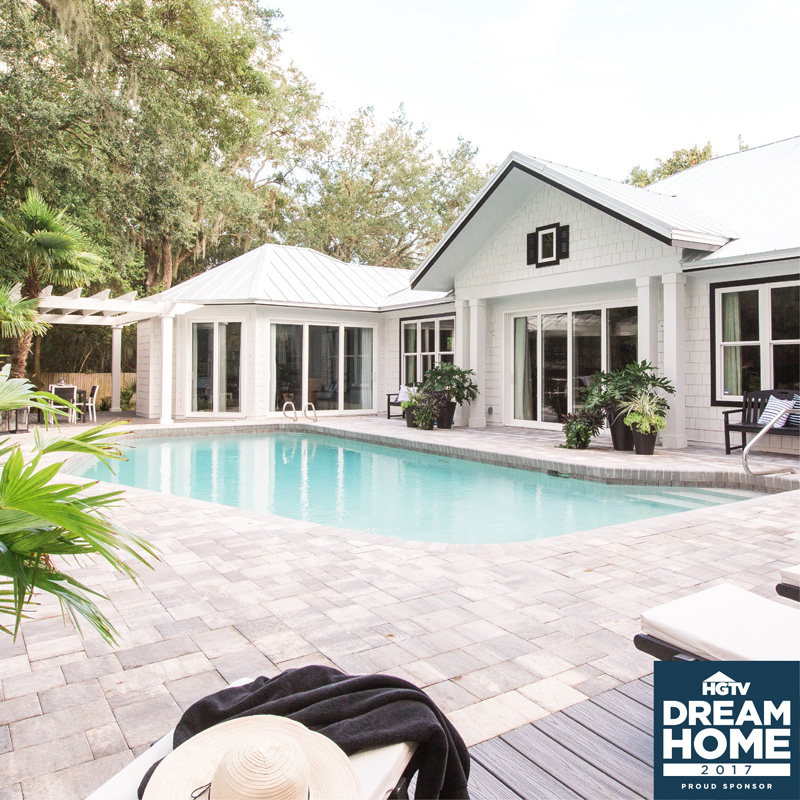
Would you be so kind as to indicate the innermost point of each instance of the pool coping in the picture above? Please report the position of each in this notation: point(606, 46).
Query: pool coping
point(706, 476)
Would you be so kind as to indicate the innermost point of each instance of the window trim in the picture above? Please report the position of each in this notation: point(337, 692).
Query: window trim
point(715, 291)
point(437, 319)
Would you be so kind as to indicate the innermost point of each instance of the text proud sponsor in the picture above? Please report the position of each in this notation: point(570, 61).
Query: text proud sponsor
point(726, 729)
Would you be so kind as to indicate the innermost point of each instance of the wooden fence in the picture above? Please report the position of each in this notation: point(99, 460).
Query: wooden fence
point(85, 380)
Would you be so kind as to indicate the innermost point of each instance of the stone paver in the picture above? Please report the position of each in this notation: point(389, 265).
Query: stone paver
point(500, 635)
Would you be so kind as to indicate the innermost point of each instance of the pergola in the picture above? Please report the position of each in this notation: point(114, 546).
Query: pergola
point(115, 313)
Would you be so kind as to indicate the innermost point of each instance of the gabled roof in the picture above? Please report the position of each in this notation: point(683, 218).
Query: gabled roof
point(298, 276)
point(689, 213)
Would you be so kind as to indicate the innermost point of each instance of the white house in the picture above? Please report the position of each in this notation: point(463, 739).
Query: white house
point(550, 274)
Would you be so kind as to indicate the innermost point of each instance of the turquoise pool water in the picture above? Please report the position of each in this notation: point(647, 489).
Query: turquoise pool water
point(390, 491)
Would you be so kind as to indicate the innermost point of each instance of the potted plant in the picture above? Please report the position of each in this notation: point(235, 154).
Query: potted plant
point(645, 415)
point(580, 426)
point(608, 392)
point(410, 404)
point(427, 409)
point(454, 384)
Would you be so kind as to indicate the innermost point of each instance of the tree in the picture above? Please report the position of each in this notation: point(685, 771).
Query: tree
point(381, 195)
point(18, 316)
point(677, 162)
point(44, 248)
point(41, 519)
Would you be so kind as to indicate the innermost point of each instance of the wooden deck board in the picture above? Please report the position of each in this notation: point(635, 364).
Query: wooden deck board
point(573, 770)
point(600, 748)
point(616, 730)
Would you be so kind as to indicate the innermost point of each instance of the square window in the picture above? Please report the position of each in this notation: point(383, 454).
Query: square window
point(548, 245)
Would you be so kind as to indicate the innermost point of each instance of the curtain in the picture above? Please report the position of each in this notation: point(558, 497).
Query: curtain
point(523, 377)
point(732, 355)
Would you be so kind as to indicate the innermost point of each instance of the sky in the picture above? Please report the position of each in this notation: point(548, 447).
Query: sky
point(595, 84)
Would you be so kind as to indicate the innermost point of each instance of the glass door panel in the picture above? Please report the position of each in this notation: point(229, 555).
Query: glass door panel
point(554, 361)
point(229, 343)
point(288, 375)
point(586, 352)
point(357, 368)
point(202, 366)
point(623, 341)
point(323, 367)
point(410, 354)
point(526, 379)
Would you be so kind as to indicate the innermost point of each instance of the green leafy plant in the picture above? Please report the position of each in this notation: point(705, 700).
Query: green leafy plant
point(646, 413)
point(127, 396)
point(580, 426)
point(454, 383)
point(42, 518)
point(610, 391)
point(427, 409)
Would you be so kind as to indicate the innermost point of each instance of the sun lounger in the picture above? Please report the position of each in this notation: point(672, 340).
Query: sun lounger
point(724, 623)
point(379, 770)
point(790, 583)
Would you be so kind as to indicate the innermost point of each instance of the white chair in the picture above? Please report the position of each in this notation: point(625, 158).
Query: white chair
point(379, 770)
point(88, 408)
point(69, 393)
point(723, 623)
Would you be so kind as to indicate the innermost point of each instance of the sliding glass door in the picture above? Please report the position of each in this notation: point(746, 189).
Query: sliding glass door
point(556, 353)
point(329, 366)
point(216, 363)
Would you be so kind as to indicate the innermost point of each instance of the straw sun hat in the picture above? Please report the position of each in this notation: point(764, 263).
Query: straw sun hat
point(262, 757)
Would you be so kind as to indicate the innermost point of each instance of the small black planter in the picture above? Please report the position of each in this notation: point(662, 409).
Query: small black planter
point(410, 417)
point(644, 443)
point(621, 434)
point(445, 418)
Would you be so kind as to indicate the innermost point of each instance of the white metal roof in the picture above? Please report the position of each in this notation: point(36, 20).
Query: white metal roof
point(733, 206)
point(298, 276)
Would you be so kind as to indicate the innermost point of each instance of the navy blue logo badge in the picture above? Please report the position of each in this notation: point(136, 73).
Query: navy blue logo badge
point(726, 729)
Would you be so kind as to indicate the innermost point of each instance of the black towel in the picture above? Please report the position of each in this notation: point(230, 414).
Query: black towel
point(357, 712)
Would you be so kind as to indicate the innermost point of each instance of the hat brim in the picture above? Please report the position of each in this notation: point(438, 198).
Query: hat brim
point(193, 764)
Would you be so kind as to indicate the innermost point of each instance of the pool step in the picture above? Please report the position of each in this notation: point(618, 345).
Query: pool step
point(674, 501)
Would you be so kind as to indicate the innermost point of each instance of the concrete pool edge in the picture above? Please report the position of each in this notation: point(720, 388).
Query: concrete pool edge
point(566, 465)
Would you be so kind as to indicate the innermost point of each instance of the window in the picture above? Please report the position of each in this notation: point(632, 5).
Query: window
point(426, 342)
point(215, 366)
point(556, 353)
point(756, 338)
point(548, 245)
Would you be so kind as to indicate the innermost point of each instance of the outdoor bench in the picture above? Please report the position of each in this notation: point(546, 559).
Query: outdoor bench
point(753, 405)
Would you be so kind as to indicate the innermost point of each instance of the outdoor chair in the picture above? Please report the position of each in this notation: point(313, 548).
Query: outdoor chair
point(87, 407)
point(70, 394)
point(724, 623)
point(790, 583)
point(380, 770)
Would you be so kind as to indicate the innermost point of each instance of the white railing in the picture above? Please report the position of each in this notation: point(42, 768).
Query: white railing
point(290, 404)
point(313, 411)
point(766, 429)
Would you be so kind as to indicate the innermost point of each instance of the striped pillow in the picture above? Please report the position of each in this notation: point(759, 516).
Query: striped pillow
point(772, 409)
point(794, 419)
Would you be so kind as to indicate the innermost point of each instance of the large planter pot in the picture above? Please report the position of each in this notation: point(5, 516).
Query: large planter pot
point(445, 418)
point(644, 443)
point(410, 417)
point(621, 434)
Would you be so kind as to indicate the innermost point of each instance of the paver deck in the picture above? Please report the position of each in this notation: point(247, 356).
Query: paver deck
point(501, 636)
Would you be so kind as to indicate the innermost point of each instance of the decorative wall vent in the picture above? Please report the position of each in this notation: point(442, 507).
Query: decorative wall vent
point(548, 245)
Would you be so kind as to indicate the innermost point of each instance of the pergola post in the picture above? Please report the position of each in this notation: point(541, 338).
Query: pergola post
point(674, 435)
point(477, 360)
point(116, 368)
point(166, 368)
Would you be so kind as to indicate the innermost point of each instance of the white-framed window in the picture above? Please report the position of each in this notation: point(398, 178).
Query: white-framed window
point(328, 365)
point(216, 367)
point(556, 352)
point(756, 337)
point(548, 245)
point(424, 342)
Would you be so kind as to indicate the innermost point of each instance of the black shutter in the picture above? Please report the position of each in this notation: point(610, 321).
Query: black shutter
point(563, 242)
point(533, 246)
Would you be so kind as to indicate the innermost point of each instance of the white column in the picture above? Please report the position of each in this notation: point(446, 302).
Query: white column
point(116, 367)
point(477, 360)
point(647, 290)
point(166, 369)
point(674, 435)
point(462, 352)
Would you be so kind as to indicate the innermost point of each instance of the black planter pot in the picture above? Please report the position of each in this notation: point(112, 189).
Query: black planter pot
point(445, 418)
point(644, 443)
point(621, 434)
point(410, 417)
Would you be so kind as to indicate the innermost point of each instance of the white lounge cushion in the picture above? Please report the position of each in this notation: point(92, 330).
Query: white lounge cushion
point(726, 623)
point(402, 395)
point(774, 407)
point(791, 575)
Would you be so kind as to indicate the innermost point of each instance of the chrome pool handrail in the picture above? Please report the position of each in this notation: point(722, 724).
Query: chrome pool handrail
point(294, 410)
point(762, 432)
point(313, 411)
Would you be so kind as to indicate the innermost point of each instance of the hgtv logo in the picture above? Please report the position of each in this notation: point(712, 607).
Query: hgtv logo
point(727, 730)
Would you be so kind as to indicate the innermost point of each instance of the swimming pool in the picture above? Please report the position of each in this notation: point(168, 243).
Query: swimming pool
point(390, 491)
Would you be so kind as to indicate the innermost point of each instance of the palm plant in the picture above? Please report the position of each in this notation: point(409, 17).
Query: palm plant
point(45, 248)
point(18, 316)
point(42, 518)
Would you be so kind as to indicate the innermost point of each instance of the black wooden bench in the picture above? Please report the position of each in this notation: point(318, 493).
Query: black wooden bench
point(753, 405)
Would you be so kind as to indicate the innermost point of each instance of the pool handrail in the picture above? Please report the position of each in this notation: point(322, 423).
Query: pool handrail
point(289, 403)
